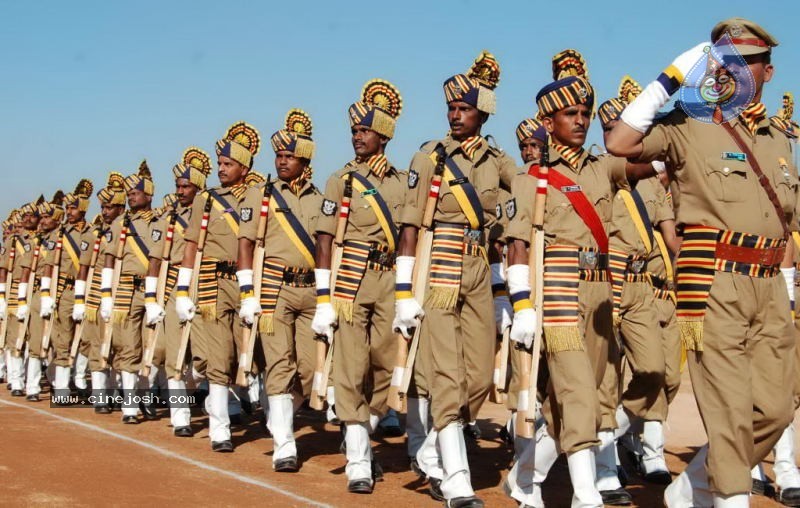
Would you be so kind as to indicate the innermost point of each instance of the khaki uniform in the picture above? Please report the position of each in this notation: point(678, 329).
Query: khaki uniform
point(93, 326)
point(458, 343)
point(743, 377)
point(22, 259)
point(289, 349)
point(47, 244)
point(367, 342)
point(572, 408)
point(169, 337)
point(126, 342)
point(638, 313)
point(73, 244)
point(219, 332)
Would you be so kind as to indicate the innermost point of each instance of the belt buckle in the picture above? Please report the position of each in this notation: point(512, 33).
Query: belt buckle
point(587, 259)
point(637, 265)
point(472, 236)
point(670, 285)
point(767, 257)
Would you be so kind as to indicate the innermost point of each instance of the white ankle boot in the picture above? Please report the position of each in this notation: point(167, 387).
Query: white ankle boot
point(582, 476)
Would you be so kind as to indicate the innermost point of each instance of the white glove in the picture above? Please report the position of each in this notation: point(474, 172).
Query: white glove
point(184, 307)
point(523, 327)
point(659, 166)
point(78, 312)
point(22, 311)
point(249, 309)
point(788, 277)
point(106, 308)
point(48, 305)
point(323, 321)
point(22, 294)
point(3, 308)
point(640, 113)
point(154, 313)
point(408, 315)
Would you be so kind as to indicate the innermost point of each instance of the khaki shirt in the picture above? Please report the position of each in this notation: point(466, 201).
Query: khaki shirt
point(599, 179)
point(23, 255)
point(73, 246)
point(489, 169)
point(222, 239)
point(623, 235)
point(715, 189)
point(47, 247)
point(158, 234)
point(135, 256)
point(362, 224)
point(279, 247)
point(90, 237)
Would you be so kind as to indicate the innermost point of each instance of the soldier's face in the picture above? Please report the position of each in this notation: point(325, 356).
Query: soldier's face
point(761, 70)
point(138, 199)
point(185, 190)
point(530, 150)
point(569, 125)
point(230, 172)
point(30, 221)
point(110, 212)
point(48, 223)
point(607, 128)
point(74, 215)
point(367, 142)
point(288, 166)
point(465, 120)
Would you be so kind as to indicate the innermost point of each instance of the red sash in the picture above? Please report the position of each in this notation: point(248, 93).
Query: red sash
point(583, 207)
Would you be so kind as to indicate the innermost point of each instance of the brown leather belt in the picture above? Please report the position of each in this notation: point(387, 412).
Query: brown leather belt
point(298, 277)
point(736, 253)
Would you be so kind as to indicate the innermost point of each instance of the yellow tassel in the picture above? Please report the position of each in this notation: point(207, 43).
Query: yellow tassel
point(343, 309)
point(563, 338)
point(119, 316)
point(266, 324)
point(691, 335)
point(91, 315)
point(443, 298)
point(617, 320)
point(208, 311)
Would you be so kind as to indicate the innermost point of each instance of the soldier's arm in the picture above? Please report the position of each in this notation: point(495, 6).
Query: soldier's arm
point(248, 230)
point(323, 253)
point(670, 235)
point(327, 221)
point(625, 141)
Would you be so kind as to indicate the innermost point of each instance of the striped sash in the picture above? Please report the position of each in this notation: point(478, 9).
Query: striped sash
point(617, 263)
point(348, 278)
point(138, 246)
point(465, 194)
point(72, 249)
point(447, 258)
point(207, 288)
point(124, 297)
point(271, 282)
point(560, 308)
point(11, 297)
point(228, 212)
point(292, 227)
point(172, 278)
point(378, 206)
point(93, 297)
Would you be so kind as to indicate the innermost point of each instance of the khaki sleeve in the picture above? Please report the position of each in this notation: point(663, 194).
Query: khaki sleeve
point(252, 201)
point(519, 209)
point(111, 243)
point(158, 235)
point(334, 191)
point(663, 210)
point(420, 173)
point(616, 172)
point(497, 231)
point(89, 238)
point(508, 171)
point(26, 260)
point(192, 233)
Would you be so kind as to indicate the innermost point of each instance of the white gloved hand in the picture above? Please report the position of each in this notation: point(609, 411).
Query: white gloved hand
point(640, 113)
point(22, 295)
point(502, 313)
point(184, 308)
point(408, 315)
point(78, 312)
point(524, 324)
point(324, 319)
point(523, 327)
point(48, 305)
point(22, 311)
point(248, 310)
point(106, 308)
point(154, 313)
point(3, 308)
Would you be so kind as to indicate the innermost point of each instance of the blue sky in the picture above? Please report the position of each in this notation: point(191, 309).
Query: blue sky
point(89, 87)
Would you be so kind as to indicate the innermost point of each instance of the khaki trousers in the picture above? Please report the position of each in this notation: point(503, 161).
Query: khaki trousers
point(743, 379)
point(126, 339)
point(671, 343)
point(35, 329)
point(93, 336)
point(63, 327)
point(220, 337)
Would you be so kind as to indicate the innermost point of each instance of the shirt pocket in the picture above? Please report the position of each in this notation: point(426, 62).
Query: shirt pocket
point(786, 189)
point(361, 214)
point(728, 179)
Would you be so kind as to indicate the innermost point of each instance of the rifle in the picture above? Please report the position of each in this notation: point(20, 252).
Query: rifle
point(404, 364)
point(9, 281)
point(31, 278)
point(76, 338)
point(529, 371)
point(249, 332)
point(105, 347)
point(49, 322)
point(324, 353)
point(198, 258)
point(152, 331)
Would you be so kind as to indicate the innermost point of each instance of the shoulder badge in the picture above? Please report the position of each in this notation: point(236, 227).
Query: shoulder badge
point(246, 214)
point(108, 236)
point(328, 207)
point(511, 208)
point(498, 211)
point(27, 247)
point(156, 235)
point(50, 245)
point(84, 245)
point(413, 179)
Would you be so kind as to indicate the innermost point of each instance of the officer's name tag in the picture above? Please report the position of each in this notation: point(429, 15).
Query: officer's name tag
point(571, 188)
point(369, 192)
point(734, 156)
point(458, 181)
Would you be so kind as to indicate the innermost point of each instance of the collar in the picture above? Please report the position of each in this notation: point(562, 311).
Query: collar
point(574, 157)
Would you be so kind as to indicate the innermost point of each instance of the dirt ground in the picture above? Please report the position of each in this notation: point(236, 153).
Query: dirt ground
point(71, 456)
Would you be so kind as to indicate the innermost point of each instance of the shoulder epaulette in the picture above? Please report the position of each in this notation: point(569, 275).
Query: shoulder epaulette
point(790, 129)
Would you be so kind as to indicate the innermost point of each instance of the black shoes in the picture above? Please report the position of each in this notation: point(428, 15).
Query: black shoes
point(130, 420)
point(185, 431)
point(148, 410)
point(414, 465)
point(102, 410)
point(362, 486)
point(435, 489)
point(762, 488)
point(17, 393)
point(377, 471)
point(222, 446)
point(287, 465)
point(472, 431)
point(659, 478)
point(465, 502)
point(34, 397)
point(789, 497)
point(617, 497)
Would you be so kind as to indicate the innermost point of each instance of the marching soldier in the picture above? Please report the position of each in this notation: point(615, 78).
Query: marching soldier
point(738, 193)
point(457, 342)
point(190, 179)
point(128, 310)
point(88, 292)
point(218, 329)
point(362, 298)
point(287, 299)
point(51, 214)
point(59, 306)
point(577, 310)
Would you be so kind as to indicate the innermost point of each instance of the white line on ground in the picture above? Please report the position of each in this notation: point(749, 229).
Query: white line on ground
point(172, 455)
